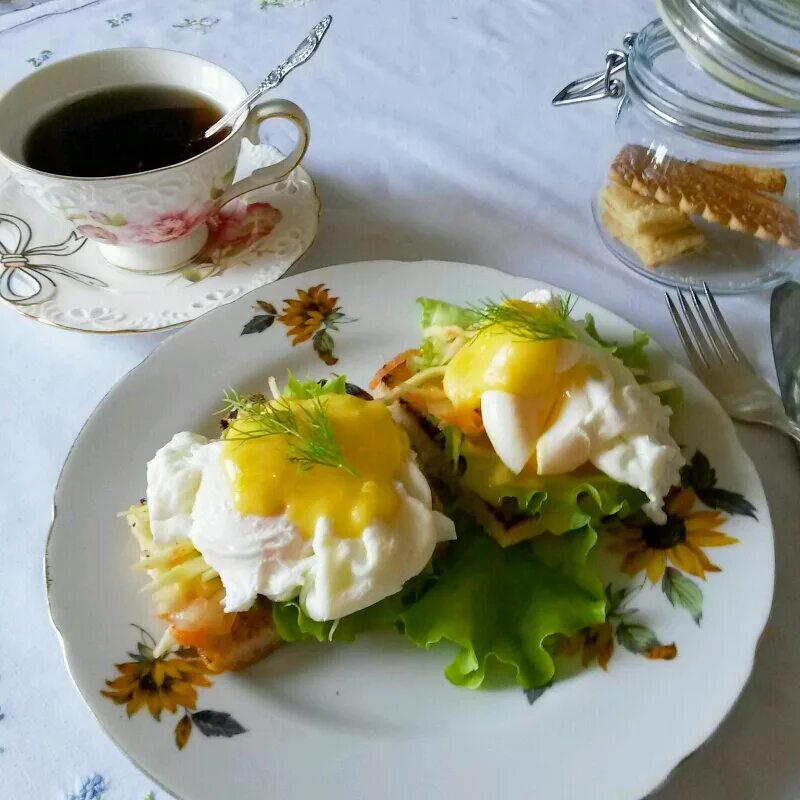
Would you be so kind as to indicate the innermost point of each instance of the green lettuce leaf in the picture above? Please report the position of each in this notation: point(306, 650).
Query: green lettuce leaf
point(555, 503)
point(634, 356)
point(672, 397)
point(500, 605)
point(294, 625)
point(569, 503)
point(303, 390)
point(438, 314)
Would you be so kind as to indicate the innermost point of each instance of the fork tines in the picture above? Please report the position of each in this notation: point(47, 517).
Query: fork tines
point(706, 342)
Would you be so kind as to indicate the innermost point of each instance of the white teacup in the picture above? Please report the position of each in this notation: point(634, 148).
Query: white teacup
point(148, 221)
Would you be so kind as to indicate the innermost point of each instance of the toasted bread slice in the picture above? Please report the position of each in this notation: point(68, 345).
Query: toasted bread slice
point(252, 637)
point(506, 527)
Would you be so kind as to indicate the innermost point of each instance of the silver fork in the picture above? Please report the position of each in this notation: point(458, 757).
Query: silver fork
point(721, 365)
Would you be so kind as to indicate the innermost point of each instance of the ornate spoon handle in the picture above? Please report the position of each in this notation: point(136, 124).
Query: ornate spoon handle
point(304, 51)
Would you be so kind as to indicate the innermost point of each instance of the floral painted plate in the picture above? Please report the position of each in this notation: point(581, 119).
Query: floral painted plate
point(376, 718)
point(54, 274)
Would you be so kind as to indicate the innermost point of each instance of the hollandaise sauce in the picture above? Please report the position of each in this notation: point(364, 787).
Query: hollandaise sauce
point(498, 359)
point(266, 479)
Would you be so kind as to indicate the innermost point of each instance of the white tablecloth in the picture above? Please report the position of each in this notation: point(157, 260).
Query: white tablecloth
point(7, 6)
point(433, 137)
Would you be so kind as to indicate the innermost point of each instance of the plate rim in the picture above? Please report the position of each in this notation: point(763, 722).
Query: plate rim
point(692, 744)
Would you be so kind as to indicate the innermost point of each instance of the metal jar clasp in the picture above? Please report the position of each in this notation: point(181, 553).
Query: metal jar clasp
point(599, 85)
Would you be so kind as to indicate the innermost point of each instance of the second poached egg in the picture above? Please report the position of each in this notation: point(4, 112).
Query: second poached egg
point(550, 406)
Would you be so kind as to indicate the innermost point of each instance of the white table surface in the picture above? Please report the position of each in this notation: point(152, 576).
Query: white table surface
point(433, 137)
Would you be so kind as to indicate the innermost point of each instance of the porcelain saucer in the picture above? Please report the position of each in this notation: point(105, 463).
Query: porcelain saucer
point(52, 274)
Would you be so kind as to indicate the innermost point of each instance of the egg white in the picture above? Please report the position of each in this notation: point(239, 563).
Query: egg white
point(609, 420)
point(189, 496)
point(513, 424)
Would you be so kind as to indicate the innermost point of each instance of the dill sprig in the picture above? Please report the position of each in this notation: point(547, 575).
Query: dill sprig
point(548, 322)
point(308, 430)
point(566, 302)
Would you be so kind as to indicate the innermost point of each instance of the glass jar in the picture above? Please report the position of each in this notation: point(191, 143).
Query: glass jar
point(703, 183)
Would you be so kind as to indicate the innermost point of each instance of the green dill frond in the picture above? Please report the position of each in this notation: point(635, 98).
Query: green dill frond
point(307, 428)
point(566, 302)
point(233, 402)
point(547, 323)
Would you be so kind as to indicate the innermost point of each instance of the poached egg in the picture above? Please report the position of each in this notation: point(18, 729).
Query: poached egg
point(551, 406)
point(338, 539)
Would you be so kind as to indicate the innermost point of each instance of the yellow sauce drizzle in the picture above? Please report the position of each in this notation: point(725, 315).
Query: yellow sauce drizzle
point(496, 359)
point(265, 482)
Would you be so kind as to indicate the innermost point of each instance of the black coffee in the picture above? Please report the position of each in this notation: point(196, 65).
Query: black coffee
point(122, 130)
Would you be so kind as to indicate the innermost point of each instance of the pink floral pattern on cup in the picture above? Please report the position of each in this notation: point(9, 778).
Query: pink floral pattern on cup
point(172, 225)
point(98, 233)
point(165, 227)
point(237, 231)
point(238, 226)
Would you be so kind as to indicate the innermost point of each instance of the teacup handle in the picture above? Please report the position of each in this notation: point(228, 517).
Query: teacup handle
point(265, 176)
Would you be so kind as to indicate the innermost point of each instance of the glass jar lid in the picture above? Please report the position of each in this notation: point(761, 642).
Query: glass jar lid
point(661, 80)
point(752, 46)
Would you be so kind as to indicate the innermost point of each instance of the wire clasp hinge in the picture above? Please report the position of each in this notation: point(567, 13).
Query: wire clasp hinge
point(599, 85)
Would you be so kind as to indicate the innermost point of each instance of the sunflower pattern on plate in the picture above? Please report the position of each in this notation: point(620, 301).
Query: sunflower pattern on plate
point(680, 541)
point(168, 682)
point(667, 552)
point(665, 555)
point(312, 314)
point(597, 642)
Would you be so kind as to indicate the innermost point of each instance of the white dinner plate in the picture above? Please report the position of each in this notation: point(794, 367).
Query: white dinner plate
point(377, 719)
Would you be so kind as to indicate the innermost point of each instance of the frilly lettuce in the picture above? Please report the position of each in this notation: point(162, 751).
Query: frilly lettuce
point(497, 605)
point(438, 314)
point(554, 503)
point(303, 390)
point(569, 503)
point(293, 624)
point(634, 357)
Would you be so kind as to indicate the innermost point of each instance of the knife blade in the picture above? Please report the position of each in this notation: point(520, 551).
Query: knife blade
point(785, 332)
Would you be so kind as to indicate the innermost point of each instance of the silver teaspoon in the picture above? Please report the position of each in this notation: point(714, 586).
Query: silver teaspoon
point(304, 51)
